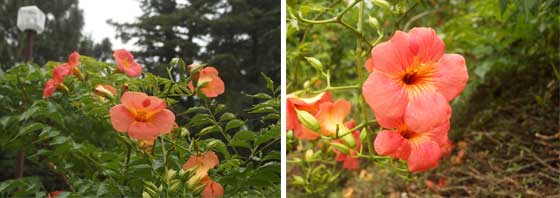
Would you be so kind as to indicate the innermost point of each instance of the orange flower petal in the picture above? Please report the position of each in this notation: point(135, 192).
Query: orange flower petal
point(388, 142)
point(369, 65)
point(424, 155)
point(120, 118)
point(204, 162)
point(133, 100)
point(303, 133)
point(143, 130)
point(332, 115)
point(426, 45)
point(125, 62)
point(386, 97)
point(212, 190)
point(213, 84)
point(427, 111)
point(213, 88)
point(74, 59)
point(164, 121)
point(49, 89)
point(61, 71)
point(393, 56)
point(452, 75)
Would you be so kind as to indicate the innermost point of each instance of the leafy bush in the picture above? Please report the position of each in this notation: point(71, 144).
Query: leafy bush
point(70, 145)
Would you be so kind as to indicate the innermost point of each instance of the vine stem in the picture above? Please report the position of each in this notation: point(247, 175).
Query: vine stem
point(164, 162)
point(338, 19)
point(329, 88)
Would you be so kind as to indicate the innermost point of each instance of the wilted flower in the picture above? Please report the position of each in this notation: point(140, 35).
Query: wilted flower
point(125, 63)
point(413, 80)
point(211, 85)
point(142, 116)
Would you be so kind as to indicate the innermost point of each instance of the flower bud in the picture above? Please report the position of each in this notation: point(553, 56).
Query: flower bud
point(308, 120)
point(363, 135)
point(298, 180)
point(349, 139)
point(169, 175)
point(382, 3)
point(340, 147)
point(309, 155)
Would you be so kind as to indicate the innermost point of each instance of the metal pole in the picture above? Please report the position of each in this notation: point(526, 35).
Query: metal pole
point(28, 52)
point(28, 55)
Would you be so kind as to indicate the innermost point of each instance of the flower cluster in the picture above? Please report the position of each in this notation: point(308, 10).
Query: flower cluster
point(201, 164)
point(60, 72)
point(409, 89)
point(145, 117)
point(311, 117)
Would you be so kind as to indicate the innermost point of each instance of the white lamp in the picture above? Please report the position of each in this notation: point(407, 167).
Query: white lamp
point(31, 18)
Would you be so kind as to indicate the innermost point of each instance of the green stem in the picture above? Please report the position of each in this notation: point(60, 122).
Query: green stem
point(164, 163)
point(338, 19)
point(175, 143)
point(126, 162)
point(335, 88)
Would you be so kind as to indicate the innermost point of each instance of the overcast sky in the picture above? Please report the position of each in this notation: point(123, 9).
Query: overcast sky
point(97, 12)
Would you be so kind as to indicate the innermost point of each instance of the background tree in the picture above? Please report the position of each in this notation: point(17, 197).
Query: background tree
point(61, 36)
point(238, 37)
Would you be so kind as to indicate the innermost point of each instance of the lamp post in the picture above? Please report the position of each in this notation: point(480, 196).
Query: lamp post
point(31, 20)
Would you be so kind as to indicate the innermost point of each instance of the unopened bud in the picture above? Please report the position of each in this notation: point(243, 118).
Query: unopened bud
point(309, 155)
point(349, 139)
point(308, 120)
point(341, 147)
point(298, 180)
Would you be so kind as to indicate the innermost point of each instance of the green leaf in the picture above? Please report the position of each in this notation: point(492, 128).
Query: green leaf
point(244, 135)
point(227, 116)
point(208, 130)
point(201, 119)
point(239, 143)
point(219, 146)
point(27, 129)
point(195, 109)
point(273, 132)
point(48, 132)
point(234, 124)
point(59, 140)
point(261, 96)
point(269, 82)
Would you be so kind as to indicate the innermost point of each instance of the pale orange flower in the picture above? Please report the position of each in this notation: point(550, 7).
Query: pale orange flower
point(309, 104)
point(412, 79)
point(212, 189)
point(142, 116)
point(125, 63)
point(211, 84)
point(331, 117)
